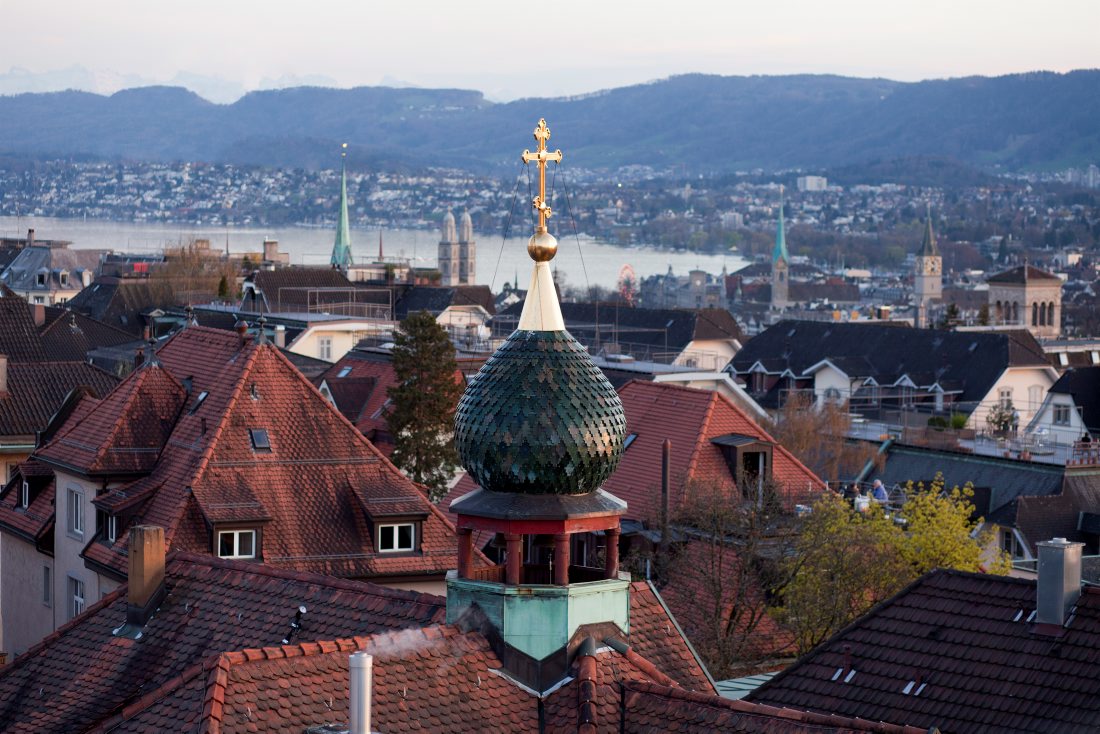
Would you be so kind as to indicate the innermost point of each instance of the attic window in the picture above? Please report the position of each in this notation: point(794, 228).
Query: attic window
point(1063, 359)
point(396, 538)
point(629, 440)
point(237, 544)
point(1095, 357)
point(112, 528)
point(25, 495)
point(347, 371)
point(198, 402)
point(260, 440)
point(64, 278)
point(41, 279)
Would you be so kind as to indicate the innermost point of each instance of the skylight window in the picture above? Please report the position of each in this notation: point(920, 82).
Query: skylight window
point(344, 372)
point(260, 440)
point(629, 440)
point(198, 402)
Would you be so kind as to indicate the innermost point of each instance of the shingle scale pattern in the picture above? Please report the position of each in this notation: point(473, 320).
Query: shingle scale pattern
point(540, 418)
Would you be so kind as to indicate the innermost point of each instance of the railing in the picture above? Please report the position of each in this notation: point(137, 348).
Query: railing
point(537, 574)
point(492, 573)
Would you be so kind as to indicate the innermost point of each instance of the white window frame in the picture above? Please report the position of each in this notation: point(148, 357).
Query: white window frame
point(324, 348)
point(1004, 397)
point(76, 597)
point(75, 513)
point(394, 533)
point(25, 495)
point(237, 535)
point(1060, 408)
point(112, 528)
point(47, 587)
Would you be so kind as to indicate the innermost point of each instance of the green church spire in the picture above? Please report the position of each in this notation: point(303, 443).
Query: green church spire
point(341, 248)
point(780, 250)
point(928, 244)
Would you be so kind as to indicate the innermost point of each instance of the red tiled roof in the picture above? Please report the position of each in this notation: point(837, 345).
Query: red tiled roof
point(82, 674)
point(126, 431)
point(314, 492)
point(967, 638)
point(706, 590)
point(35, 520)
point(37, 389)
point(655, 635)
point(689, 418)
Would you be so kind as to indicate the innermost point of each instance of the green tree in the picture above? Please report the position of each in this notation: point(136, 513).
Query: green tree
point(421, 417)
point(845, 562)
point(223, 288)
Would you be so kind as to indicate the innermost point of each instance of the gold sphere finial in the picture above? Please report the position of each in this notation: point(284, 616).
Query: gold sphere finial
point(542, 247)
point(344, 150)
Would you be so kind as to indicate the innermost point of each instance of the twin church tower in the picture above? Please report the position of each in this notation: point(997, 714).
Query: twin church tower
point(457, 260)
point(457, 250)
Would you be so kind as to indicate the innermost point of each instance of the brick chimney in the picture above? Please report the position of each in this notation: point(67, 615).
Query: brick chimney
point(1059, 584)
point(145, 581)
point(38, 314)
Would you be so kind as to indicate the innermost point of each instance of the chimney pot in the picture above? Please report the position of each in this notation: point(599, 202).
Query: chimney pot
point(1059, 583)
point(360, 674)
point(280, 336)
point(145, 580)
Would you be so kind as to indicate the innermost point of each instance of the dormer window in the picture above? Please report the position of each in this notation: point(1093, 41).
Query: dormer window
point(64, 278)
point(237, 544)
point(41, 279)
point(396, 537)
point(112, 528)
point(260, 440)
point(25, 495)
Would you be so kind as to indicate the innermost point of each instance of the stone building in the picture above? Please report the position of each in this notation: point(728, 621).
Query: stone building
point(1028, 297)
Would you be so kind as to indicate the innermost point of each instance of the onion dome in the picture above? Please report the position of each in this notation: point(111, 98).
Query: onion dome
point(540, 417)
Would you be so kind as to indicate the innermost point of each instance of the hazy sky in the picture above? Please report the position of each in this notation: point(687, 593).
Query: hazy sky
point(507, 50)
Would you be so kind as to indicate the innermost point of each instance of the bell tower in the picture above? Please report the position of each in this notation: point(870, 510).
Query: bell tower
point(781, 264)
point(539, 429)
point(448, 251)
point(927, 274)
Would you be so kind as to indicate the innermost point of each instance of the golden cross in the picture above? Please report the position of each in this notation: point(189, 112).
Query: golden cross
point(541, 156)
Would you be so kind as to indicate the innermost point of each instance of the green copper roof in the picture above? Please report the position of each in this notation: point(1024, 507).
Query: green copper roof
point(341, 248)
point(780, 250)
point(540, 418)
point(928, 244)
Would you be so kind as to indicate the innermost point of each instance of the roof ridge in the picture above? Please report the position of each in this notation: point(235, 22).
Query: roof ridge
point(263, 569)
point(763, 709)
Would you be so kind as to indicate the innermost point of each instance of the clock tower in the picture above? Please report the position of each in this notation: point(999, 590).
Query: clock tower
point(928, 274)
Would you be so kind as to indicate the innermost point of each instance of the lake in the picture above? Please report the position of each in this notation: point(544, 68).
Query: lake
point(498, 261)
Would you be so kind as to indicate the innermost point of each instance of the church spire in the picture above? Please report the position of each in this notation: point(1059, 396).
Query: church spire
point(780, 249)
point(541, 310)
point(341, 248)
point(928, 246)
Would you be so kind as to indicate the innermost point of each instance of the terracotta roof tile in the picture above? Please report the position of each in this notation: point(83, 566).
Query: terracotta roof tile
point(316, 490)
point(968, 639)
point(84, 674)
point(690, 419)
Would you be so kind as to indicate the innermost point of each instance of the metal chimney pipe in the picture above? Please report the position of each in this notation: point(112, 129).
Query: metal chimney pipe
point(1059, 584)
point(360, 666)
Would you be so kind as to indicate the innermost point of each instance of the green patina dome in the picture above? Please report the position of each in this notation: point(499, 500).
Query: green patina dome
point(540, 418)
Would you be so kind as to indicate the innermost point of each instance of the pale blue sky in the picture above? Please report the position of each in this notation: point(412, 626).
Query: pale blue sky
point(507, 50)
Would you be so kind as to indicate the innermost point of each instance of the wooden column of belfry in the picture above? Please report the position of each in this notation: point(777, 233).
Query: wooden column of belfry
point(561, 559)
point(513, 570)
point(465, 552)
point(611, 553)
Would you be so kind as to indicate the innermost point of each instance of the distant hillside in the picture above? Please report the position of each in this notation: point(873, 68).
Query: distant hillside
point(702, 123)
